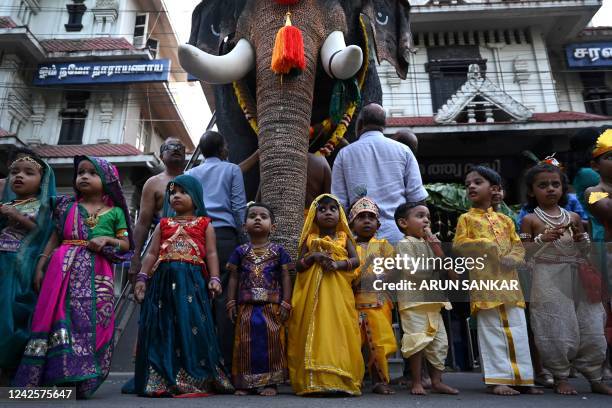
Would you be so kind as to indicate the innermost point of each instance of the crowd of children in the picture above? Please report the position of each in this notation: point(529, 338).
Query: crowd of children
point(320, 333)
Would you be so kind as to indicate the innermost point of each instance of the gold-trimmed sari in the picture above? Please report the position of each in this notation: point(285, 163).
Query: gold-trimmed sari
point(324, 344)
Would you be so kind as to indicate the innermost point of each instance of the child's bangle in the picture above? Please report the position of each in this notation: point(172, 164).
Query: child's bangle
point(142, 277)
point(215, 279)
point(538, 239)
point(285, 305)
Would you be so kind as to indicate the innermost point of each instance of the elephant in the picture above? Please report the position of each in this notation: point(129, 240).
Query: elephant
point(230, 51)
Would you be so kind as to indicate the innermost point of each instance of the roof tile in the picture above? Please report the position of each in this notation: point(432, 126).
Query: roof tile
point(7, 22)
point(5, 133)
point(98, 150)
point(537, 117)
point(86, 44)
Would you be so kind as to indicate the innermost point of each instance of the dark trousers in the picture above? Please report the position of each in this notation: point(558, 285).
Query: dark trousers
point(227, 241)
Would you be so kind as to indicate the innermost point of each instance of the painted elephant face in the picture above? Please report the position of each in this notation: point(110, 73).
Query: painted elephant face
point(212, 21)
point(390, 22)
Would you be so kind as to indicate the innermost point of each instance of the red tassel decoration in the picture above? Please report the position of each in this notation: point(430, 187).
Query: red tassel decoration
point(288, 54)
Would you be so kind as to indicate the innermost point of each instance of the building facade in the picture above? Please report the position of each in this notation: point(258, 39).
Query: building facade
point(90, 77)
point(491, 79)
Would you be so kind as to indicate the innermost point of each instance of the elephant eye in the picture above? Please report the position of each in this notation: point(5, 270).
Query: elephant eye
point(214, 31)
point(382, 18)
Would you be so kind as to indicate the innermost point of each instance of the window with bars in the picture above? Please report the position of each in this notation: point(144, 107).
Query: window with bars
point(597, 95)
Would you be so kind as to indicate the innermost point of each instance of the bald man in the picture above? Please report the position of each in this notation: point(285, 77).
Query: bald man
point(152, 205)
point(319, 178)
point(385, 169)
point(408, 138)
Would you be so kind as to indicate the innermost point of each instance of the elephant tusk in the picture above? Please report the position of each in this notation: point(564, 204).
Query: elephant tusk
point(218, 69)
point(340, 61)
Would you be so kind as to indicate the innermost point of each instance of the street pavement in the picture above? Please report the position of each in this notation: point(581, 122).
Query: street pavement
point(472, 395)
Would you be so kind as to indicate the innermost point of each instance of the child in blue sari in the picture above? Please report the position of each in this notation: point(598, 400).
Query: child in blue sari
point(25, 227)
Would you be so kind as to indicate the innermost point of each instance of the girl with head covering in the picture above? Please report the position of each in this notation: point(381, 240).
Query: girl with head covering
point(73, 322)
point(178, 351)
point(324, 337)
point(25, 225)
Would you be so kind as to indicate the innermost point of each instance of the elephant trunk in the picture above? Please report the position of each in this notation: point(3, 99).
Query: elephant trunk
point(284, 109)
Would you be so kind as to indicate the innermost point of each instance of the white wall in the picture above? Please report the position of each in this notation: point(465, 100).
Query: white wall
point(520, 67)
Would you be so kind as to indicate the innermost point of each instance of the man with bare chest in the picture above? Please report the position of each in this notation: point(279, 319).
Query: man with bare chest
point(152, 203)
point(319, 178)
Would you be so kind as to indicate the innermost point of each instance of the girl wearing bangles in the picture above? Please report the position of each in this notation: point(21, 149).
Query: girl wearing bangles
point(178, 352)
point(73, 322)
point(25, 227)
point(259, 299)
point(324, 344)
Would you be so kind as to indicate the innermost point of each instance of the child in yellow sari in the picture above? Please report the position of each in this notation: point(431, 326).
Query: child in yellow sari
point(324, 336)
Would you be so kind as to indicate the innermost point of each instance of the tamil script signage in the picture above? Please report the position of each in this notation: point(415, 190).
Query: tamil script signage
point(455, 170)
point(589, 55)
point(92, 73)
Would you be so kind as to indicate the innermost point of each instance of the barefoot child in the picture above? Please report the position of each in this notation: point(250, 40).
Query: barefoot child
point(73, 322)
point(374, 306)
point(324, 337)
point(599, 202)
point(502, 328)
point(259, 301)
point(567, 320)
point(25, 227)
point(422, 323)
point(178, 352)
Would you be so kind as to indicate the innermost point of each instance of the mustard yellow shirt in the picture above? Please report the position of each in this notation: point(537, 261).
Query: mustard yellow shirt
point(490, 235)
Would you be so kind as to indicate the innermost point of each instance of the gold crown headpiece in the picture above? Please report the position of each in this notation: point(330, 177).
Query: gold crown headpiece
point(26, 159)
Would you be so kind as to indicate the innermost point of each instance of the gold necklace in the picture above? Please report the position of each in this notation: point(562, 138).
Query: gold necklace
point(15, 203)
point(92, 220)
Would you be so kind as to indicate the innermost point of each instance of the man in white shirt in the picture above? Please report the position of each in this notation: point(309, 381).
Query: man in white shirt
point(385, 169)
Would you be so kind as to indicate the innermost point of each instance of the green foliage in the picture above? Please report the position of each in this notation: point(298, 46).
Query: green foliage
point(451, 197)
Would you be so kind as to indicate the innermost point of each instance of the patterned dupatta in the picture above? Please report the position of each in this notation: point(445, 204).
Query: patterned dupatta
point(34, 242)
point(73, 323)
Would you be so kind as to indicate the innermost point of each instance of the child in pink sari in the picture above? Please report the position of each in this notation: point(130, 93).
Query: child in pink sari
point(73, 323)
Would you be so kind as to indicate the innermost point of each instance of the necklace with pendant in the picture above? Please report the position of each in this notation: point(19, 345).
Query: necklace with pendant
point(92, 220)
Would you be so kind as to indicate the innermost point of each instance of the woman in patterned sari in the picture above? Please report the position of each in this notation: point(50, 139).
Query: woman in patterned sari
point(72, 328)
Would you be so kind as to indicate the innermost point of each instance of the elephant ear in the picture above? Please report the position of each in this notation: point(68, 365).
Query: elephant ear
point(212, 21)
point(390, 22)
